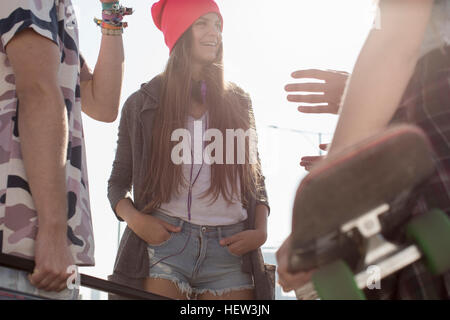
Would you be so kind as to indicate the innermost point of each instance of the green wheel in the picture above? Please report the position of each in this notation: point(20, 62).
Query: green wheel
point(431, 233)
point(336, 282)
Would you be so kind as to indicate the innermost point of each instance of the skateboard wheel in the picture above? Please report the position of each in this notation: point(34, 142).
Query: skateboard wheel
point(336, 282)
point(431, 233)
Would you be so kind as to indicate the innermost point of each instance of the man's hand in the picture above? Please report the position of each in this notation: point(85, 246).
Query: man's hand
point(52, 259)
point(244, 242)
point(287, 280)
point(309, 161)
point(332, 90)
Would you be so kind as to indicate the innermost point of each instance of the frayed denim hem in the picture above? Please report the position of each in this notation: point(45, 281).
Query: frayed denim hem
point(221, 292)
point(184, 287)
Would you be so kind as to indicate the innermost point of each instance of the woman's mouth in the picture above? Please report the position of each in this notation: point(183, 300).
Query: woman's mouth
point(209, 44)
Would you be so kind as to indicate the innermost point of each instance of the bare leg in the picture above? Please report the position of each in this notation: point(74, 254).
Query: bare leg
point(247, 294)
point(164, 288)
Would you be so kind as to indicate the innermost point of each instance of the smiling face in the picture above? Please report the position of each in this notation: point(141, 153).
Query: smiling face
point(206, 38)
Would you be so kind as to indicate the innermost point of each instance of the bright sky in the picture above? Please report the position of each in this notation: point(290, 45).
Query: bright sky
point(264, 42)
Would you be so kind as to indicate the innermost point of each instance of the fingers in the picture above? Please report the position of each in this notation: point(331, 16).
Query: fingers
point(307, 98)
point(306, 87)
point(58, 284)
point(327, 75)
point(36, 277)
point(236, 248)
point(310, 161)
point(62, 287)
point(170, 227)
point(230, 240)
point(311, 158)
point(291, 282)
point(307, 166)
point(330, 108)
point(311, 74)
point(49, 280)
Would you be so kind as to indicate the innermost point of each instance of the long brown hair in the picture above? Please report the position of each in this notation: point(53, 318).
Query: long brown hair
point(228, 109)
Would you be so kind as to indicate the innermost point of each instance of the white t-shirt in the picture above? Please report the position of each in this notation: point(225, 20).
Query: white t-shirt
point(219, 213)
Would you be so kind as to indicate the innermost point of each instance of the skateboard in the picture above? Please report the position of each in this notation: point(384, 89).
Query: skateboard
point(342, 207)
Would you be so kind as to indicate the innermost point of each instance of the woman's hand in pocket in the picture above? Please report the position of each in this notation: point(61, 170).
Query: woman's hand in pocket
point(244, 242)
point(152, 230)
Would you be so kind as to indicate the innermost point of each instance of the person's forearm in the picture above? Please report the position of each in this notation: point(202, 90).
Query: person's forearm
point(261, 213)
point(375, 90)
point(43, 129)
point(382, 72)
point(108, 76)
point(126, 210)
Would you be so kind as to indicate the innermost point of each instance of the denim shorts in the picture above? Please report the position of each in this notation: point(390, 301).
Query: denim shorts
point(17, 281)
point(196, 262)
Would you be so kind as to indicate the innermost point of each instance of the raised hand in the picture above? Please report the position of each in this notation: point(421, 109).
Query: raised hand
point(332, 90)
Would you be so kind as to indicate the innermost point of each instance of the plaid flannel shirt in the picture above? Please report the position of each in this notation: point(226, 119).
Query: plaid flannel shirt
point(426, 103)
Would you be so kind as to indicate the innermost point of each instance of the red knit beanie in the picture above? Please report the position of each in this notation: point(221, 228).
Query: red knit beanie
point(174, 17)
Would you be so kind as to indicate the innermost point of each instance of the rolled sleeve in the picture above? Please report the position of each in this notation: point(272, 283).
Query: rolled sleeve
point(261, 195)
point(18, 15)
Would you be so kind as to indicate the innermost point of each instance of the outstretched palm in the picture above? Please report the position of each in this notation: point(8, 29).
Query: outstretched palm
point(328, 94)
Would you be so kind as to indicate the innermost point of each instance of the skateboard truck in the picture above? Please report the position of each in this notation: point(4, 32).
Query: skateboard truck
point(387, 257)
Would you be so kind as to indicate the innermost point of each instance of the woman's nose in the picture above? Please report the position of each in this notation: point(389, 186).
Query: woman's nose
point(215, 30)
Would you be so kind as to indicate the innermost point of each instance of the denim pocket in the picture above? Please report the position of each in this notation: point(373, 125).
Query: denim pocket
point(226, 248)
point(165, 242)
point(232, 254)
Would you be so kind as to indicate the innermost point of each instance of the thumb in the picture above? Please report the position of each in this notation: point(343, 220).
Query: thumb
point(170, 227)
point(324, 146)
point(227, 241)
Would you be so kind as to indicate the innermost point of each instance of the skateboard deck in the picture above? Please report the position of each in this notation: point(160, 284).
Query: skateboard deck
point(349, 185)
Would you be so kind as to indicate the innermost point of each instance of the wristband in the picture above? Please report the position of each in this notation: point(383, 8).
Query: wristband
point(111, 5)
point(112, 16)
point(122, 25)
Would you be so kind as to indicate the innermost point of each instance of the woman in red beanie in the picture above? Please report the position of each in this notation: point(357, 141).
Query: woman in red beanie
point(194, 228)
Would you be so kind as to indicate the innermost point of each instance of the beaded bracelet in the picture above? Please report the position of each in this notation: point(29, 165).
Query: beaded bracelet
point(112, 16)
point(105, 25)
